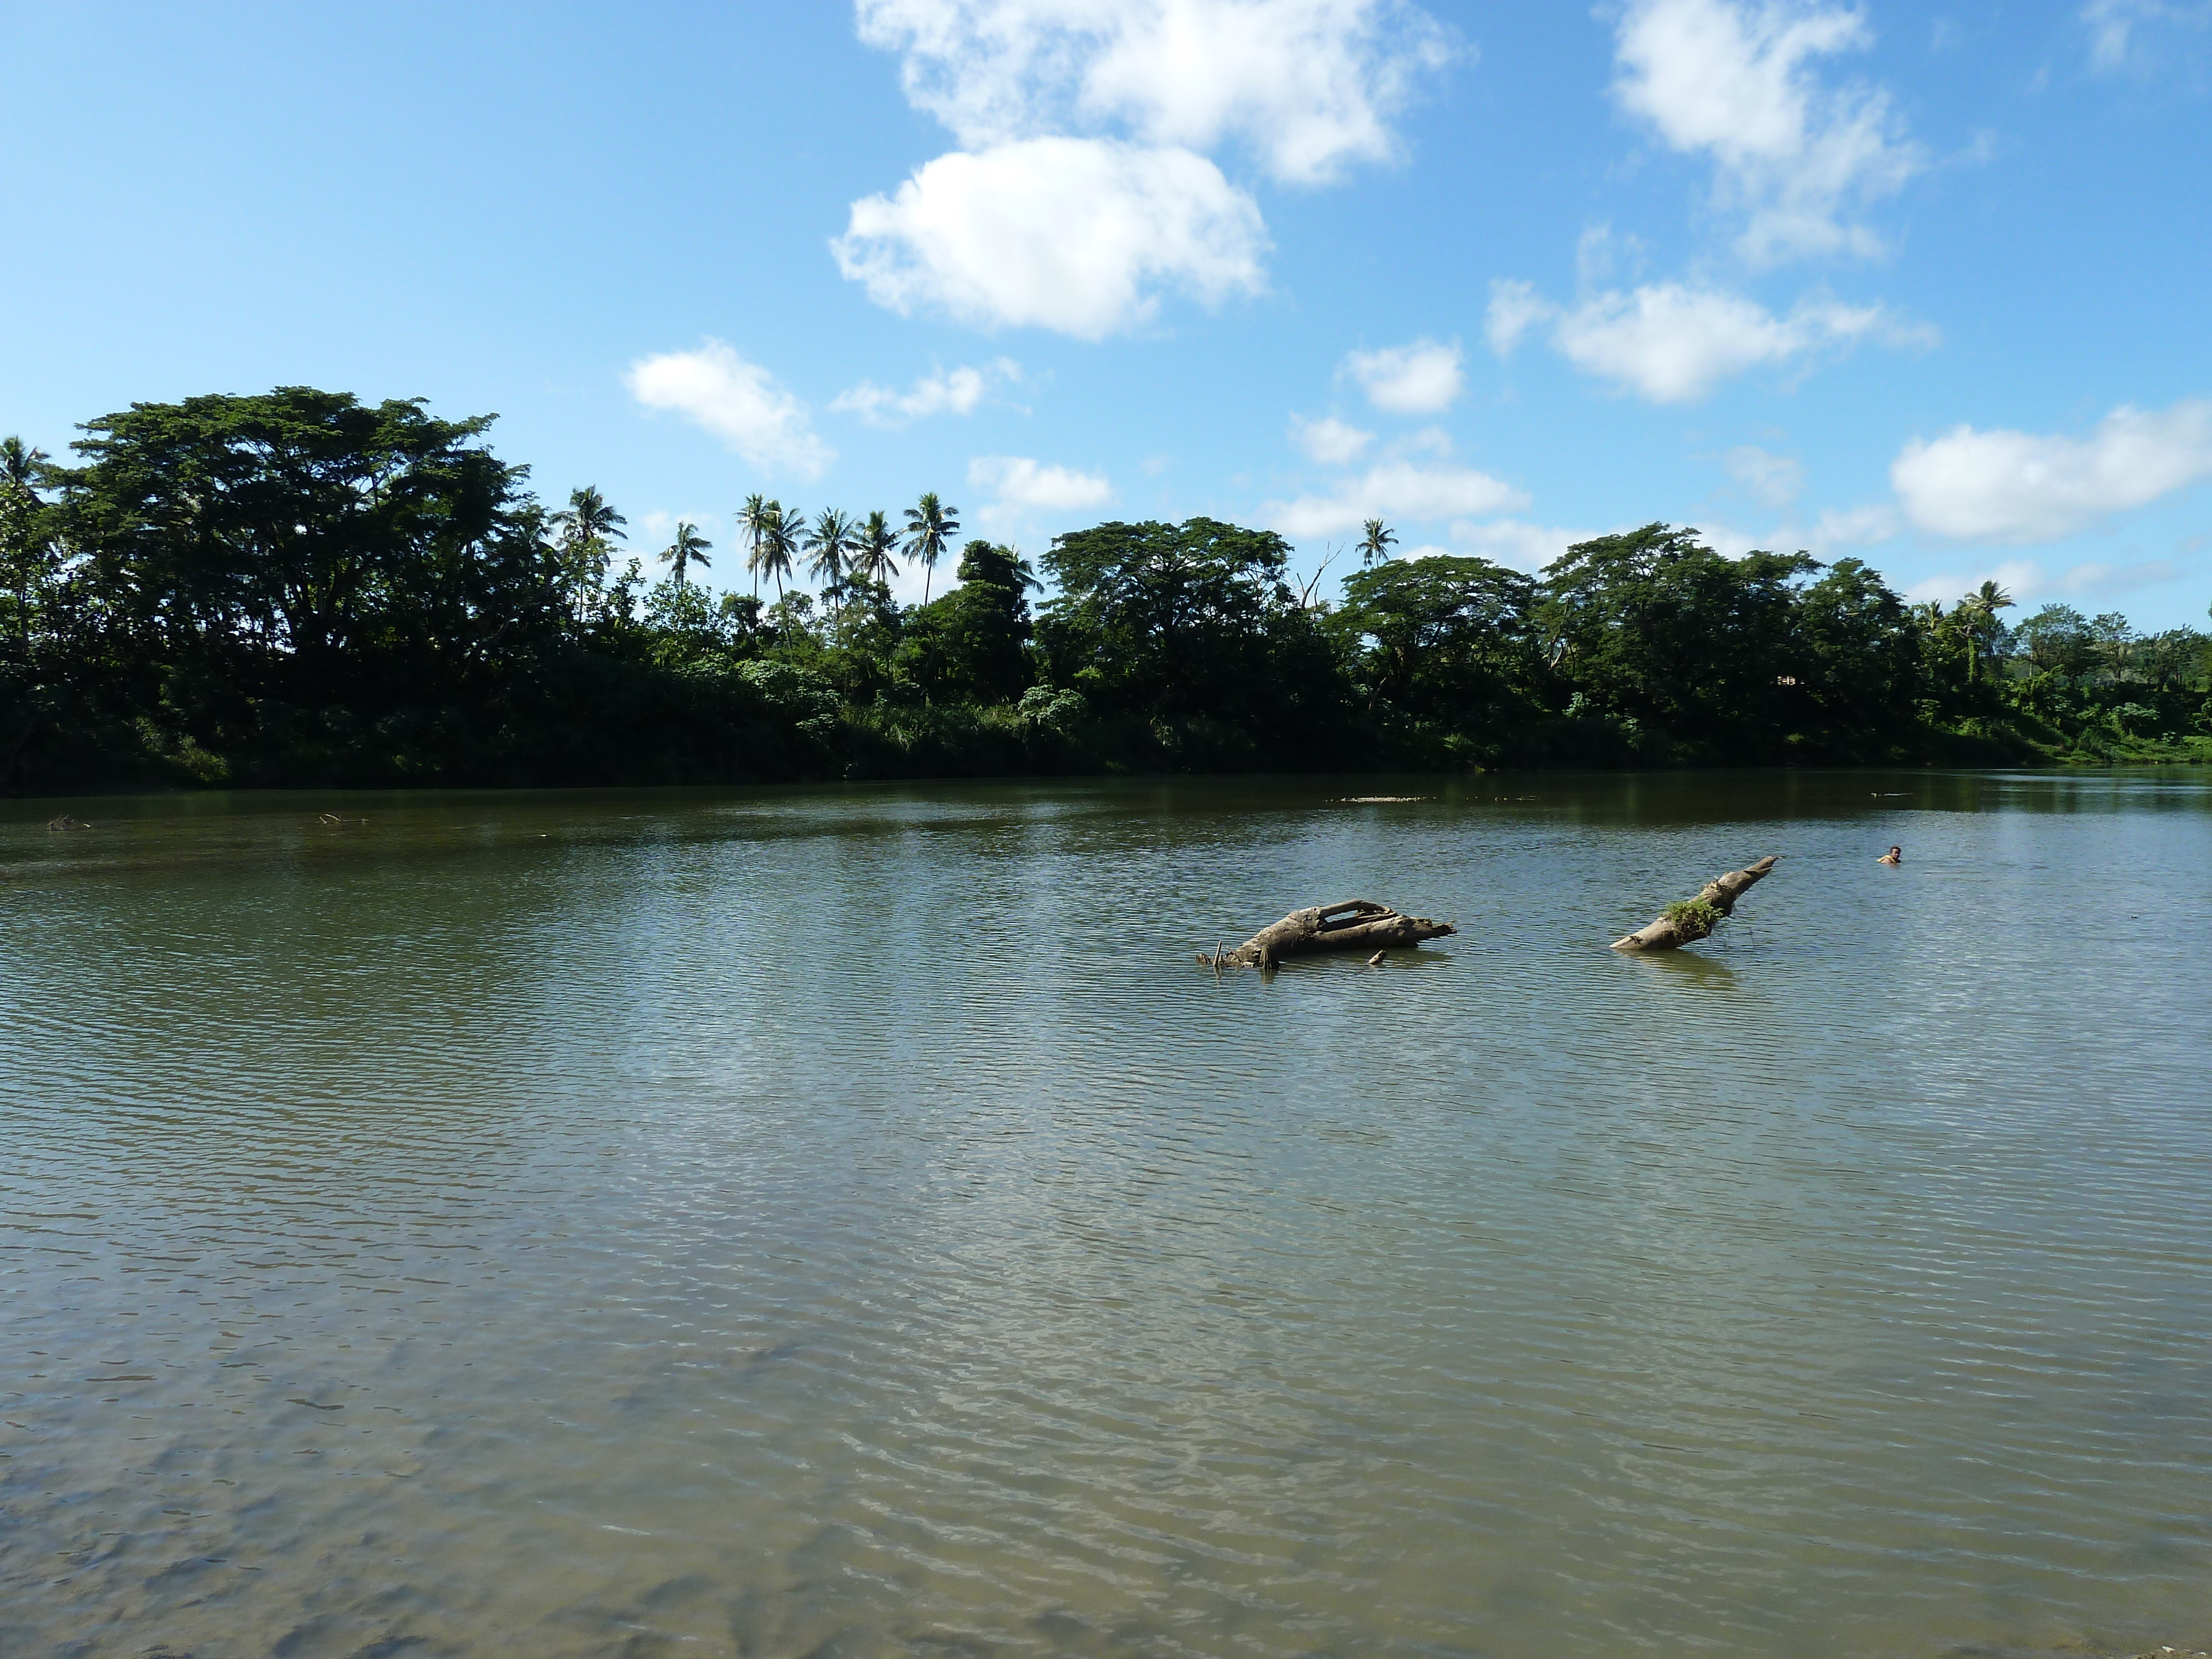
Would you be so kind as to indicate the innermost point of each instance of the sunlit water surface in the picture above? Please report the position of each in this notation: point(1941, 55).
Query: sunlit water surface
point(850, 1223)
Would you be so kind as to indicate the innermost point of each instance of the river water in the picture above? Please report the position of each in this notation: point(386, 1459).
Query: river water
point(847, 1222)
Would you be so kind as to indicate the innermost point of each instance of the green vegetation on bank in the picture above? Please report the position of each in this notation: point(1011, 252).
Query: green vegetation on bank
point(298, 588)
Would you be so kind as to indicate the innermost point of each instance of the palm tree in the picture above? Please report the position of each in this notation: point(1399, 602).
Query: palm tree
point(1981, 607)
point(19, 461)
point(872, 562)
point(689, 548)
point(589, 527)
point(830, 541)
point(779, 548)
point(930, 528)
point(1377, 544)
point(753, 518)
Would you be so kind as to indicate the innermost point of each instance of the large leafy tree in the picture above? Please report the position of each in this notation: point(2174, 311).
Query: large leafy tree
point(1186, 620)
point(1857, 661)
point(1700, 650)
point(304, 544)
point(1447, 640)
point(2057, 641)
point(30, 590)
point(28, 558)
point(974, 642)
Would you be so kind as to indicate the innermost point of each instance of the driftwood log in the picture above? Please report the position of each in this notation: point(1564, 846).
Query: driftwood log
point(1354, 925)
point(1686, 924)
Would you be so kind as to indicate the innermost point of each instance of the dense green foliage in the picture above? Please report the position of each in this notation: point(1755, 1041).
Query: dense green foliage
point(300, 588)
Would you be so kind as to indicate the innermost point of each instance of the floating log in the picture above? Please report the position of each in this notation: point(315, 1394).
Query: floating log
point(1354, 925)
point(1688, 922)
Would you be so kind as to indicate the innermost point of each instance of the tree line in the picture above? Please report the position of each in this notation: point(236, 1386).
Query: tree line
point(299, 588)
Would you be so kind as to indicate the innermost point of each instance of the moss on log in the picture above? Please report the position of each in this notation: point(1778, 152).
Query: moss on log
point(1693, 918)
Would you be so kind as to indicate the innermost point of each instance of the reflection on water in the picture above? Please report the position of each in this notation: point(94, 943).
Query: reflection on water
point(846, 1222)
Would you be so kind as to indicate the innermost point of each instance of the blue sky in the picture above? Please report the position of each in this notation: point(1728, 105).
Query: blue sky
point(1925, 286)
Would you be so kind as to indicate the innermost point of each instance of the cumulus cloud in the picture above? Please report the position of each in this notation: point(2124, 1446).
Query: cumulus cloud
point(2019, 487)
point(1083, 190)
point(1733, 79)
point(1769, 479)
point(942, 392)
point(1017, 480)
point(1420, 378)
point(1076, 234)
point(1672, 343)
point(739, 401)
point(1397, 487)
point(1330, 441)
point(1307, 86)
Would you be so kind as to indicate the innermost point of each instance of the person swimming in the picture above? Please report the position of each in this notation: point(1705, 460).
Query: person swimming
point(1895, 855)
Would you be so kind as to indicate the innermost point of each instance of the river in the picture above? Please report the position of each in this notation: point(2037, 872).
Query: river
point(849, 1221)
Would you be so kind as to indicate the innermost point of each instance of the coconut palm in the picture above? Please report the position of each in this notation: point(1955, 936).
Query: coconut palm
point(1378, 542)
point(779, 549)
point(930, 528)
point(687, 548)
point(1981, 607)
point(754, 519)
point(830, 542)
point(19, 462)
point(872, 559)
point(588, 529)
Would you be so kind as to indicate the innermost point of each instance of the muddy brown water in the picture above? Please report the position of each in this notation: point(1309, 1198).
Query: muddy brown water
point(847, 1221)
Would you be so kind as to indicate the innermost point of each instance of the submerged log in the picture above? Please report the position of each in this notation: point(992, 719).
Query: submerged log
point(1354, 925)
point(1687, 923)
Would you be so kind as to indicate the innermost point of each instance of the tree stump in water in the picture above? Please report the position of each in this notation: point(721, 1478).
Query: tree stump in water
point(1354, 925)
point(1686, 924)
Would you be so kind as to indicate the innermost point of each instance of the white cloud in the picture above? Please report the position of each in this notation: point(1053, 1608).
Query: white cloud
point(2113, 24)
point(1517, 543)
point(1017, 480)
point(1671, 344)
point(2018, 577)
point(2100, 578)
point(1420, 378)
point(740, 403)
point(2024, 579)
point(1076, 234)
point(1515, 308)
point(1731, 78)
point(1771, 480)
point(1855, 527)
point(2017, 487)
point(1396, 488)
point(942, 391)
point(1329, 440)
point(1308, 86)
